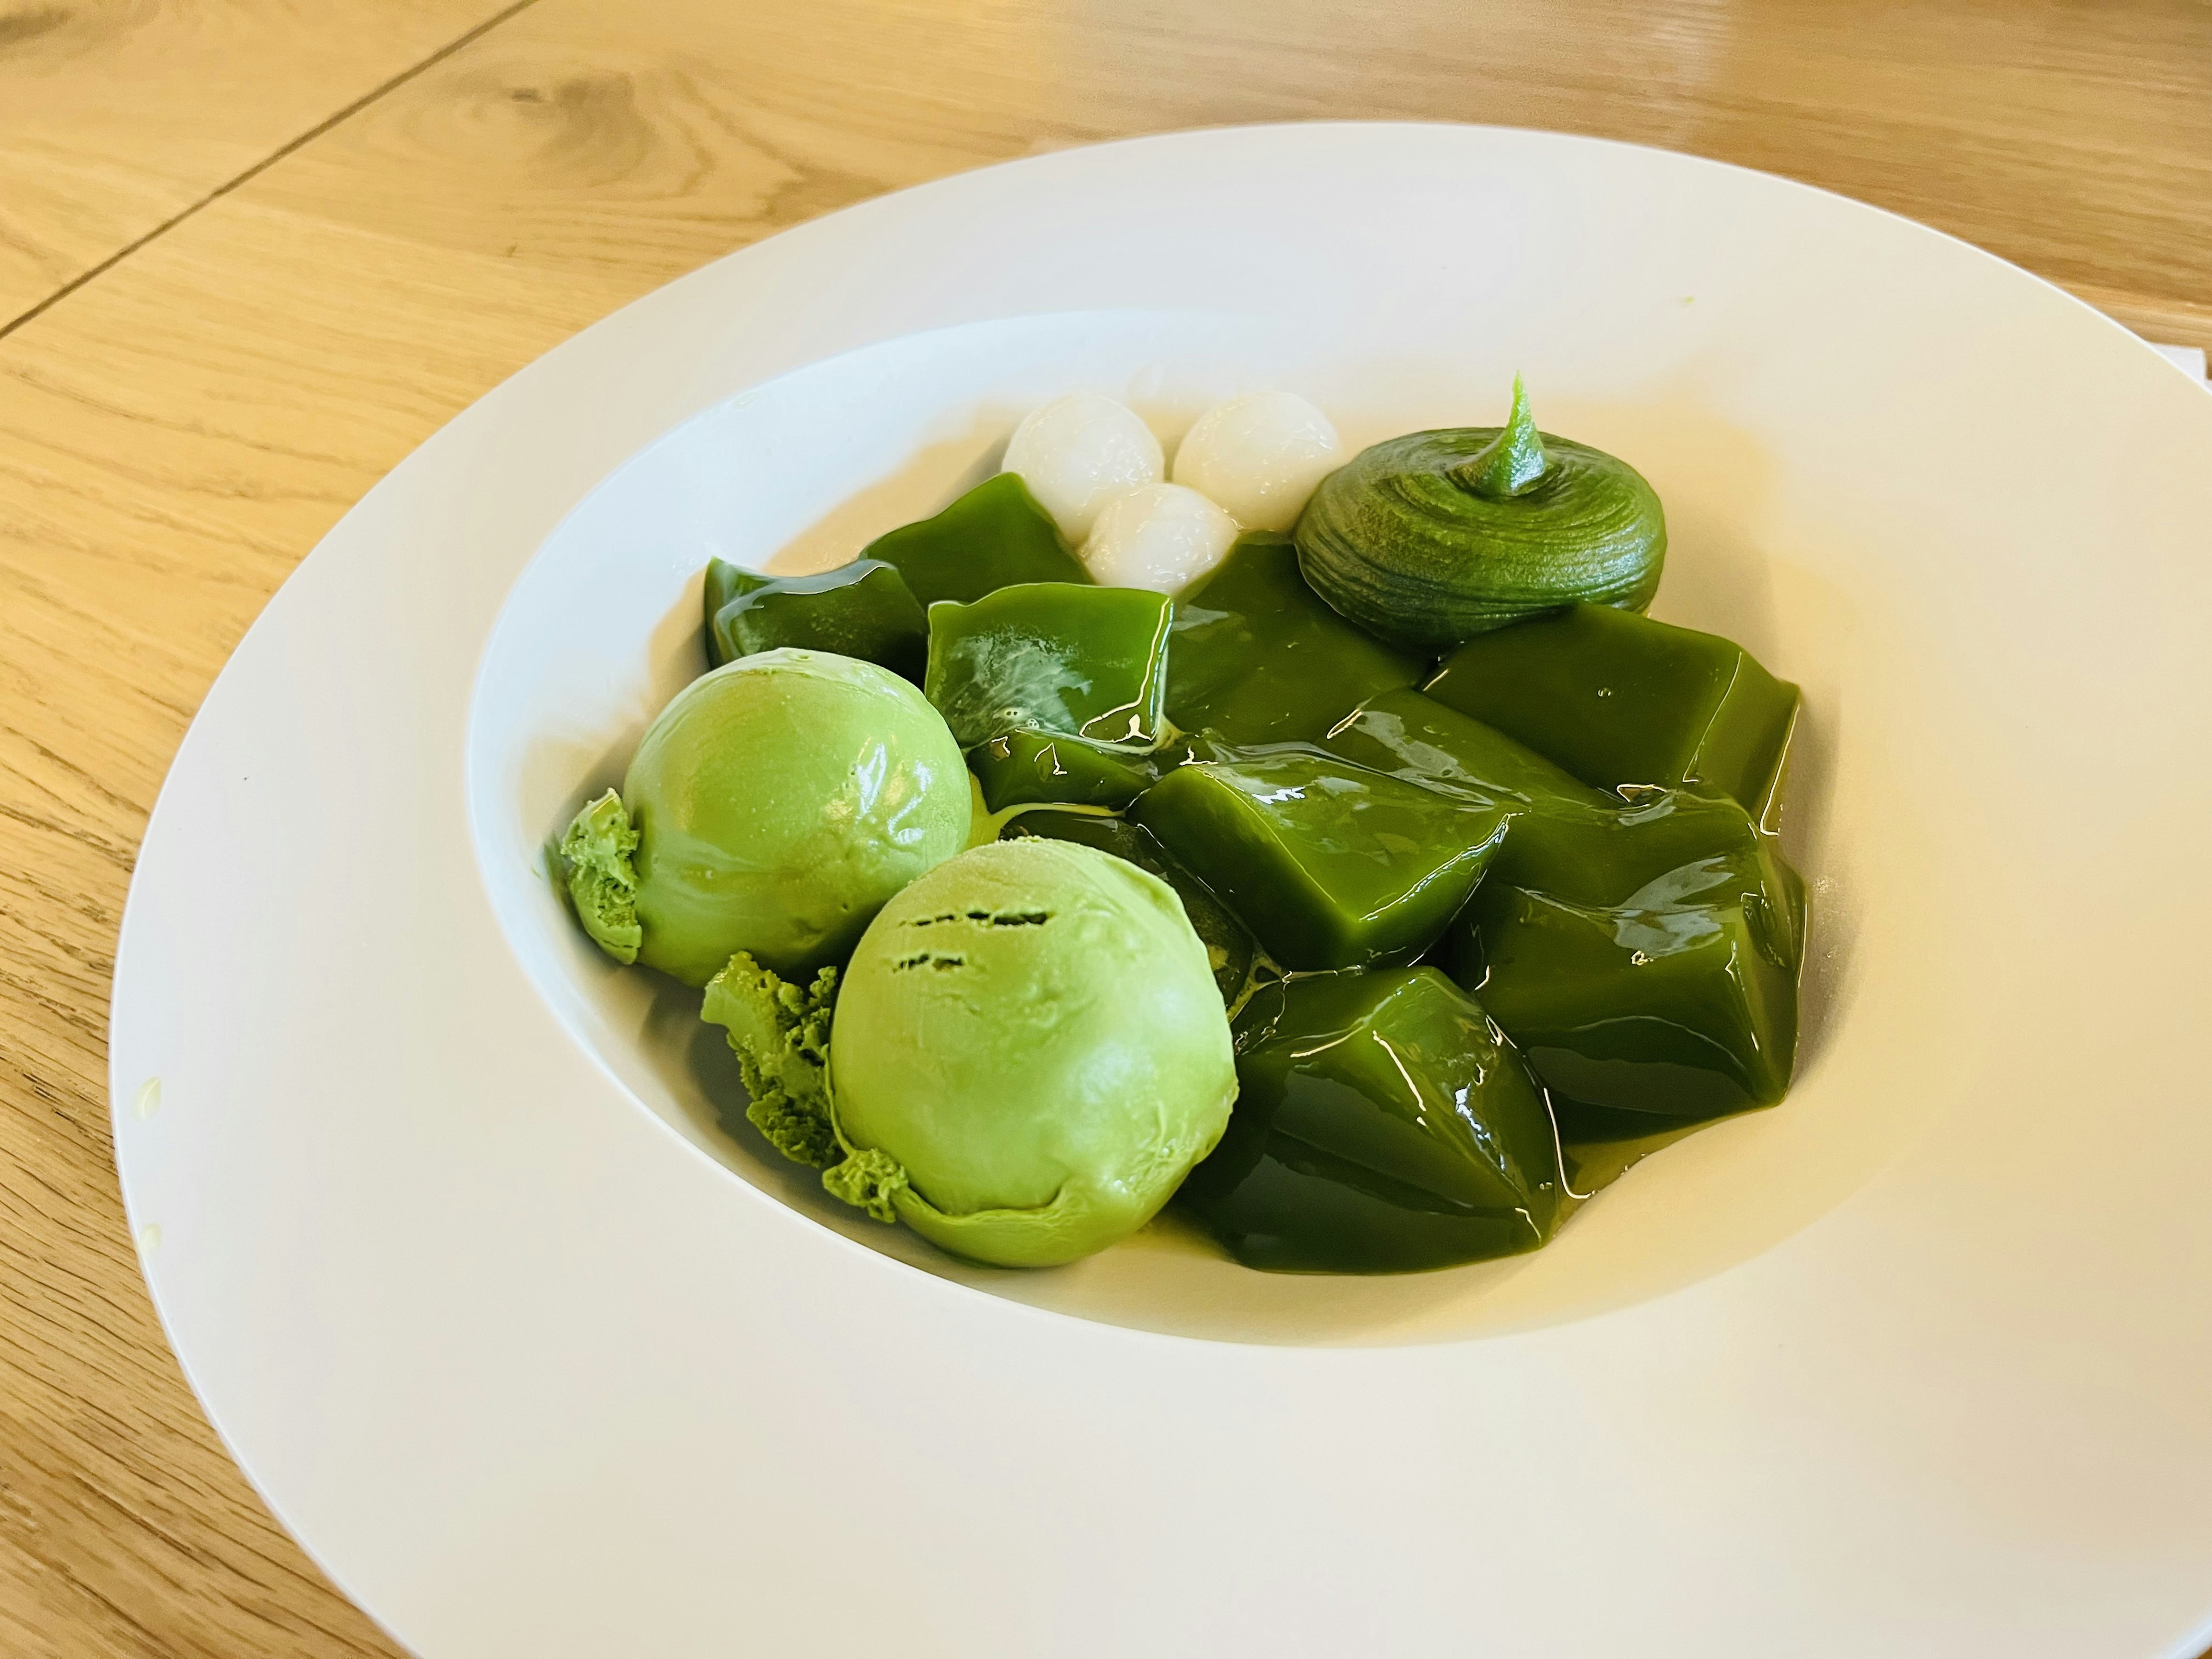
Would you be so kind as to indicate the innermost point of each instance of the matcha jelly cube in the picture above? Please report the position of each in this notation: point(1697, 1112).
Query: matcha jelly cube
point(1259, 658)
point(1228, 943)
point(860, 610)
point(993, 537)
point(1383, 1124)
point(1645, 960)
point(723, 582)
point(1023, 767)
point(1604, 854)
point(1415, 738)
point(1089, 662)
point(1330, 866)
point(1622, 701)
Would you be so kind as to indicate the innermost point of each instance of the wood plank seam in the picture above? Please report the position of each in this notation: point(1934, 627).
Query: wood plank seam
point(267, 161)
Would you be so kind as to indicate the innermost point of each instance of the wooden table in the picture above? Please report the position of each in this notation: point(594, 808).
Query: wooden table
point(252, 252)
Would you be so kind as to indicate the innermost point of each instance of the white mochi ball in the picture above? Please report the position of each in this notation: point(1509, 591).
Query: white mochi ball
point(1260, 457)
point(1163, 537)
point(1078, 453)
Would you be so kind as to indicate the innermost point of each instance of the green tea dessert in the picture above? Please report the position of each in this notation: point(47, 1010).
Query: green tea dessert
point(994, 536)
point(1404, 835)
point(1623, 702)
point(1022, 767)
point(1644, 959)
point(1088, 662)
point(1437, 537)
point(860, 610)
point(772, 808)
point(1330, 866)
point(1029, 1054)
point(1384, 1125)
point(1229, 945)
point(1257, 657)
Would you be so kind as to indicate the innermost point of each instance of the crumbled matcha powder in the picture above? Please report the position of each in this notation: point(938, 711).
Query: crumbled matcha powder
point(780, 1033)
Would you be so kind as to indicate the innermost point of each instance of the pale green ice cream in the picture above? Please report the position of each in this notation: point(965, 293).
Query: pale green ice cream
point(1028, 1054)
point(775, 805)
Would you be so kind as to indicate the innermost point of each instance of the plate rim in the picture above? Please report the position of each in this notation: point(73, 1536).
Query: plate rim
point(637, 314)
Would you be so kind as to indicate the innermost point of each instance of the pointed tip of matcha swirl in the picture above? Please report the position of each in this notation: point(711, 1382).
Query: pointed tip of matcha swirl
point(1511, 462)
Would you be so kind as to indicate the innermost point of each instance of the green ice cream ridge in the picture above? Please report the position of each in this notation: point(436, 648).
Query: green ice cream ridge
point(596, 853)
point(869, 1180)
point(780, 1033)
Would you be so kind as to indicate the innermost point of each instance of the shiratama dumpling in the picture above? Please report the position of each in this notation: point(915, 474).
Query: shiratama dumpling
point(1163, 536)
point(1077, 454)
point(1260, 457)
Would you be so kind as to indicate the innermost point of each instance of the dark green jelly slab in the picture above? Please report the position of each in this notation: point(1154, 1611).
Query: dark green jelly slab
point(1621, 700)
point(1329, 865)
point(860, 610)
point(1017, 769)
point(1612, 854)
point(1227, 941)
point(1089, 662)
point(1416, 738)
point(1383, 1124)
point(1644, 959)
point(993, 537)
point(1259, 658)
point(724, 582)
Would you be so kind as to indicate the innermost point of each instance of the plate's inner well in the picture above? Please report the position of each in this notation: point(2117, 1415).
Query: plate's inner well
point(798, 474)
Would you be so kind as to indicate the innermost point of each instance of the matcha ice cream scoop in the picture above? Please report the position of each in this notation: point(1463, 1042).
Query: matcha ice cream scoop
point(772, 808)
point(1028, 1054)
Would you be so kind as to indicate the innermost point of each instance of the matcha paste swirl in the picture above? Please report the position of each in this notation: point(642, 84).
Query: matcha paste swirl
point(1434, 537)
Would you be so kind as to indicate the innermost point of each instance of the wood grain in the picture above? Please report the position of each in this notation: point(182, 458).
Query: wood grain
point(177, 431)
point(118, 115)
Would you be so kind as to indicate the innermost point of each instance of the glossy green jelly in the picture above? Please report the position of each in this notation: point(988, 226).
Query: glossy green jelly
point(1644, 958)
point(1624, 703)
point(1229, 944)
point(1259, 658)
point(1329, 865)
point(1090, 662)
point(723, 582)
point(1021, 768)
point(1383, 1124)
point(1608, 854)
point(860, 610)
point(1418, 738)
point(993, 537)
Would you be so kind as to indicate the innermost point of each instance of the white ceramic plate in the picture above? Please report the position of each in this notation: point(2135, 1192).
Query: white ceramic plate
point(540, 1362)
